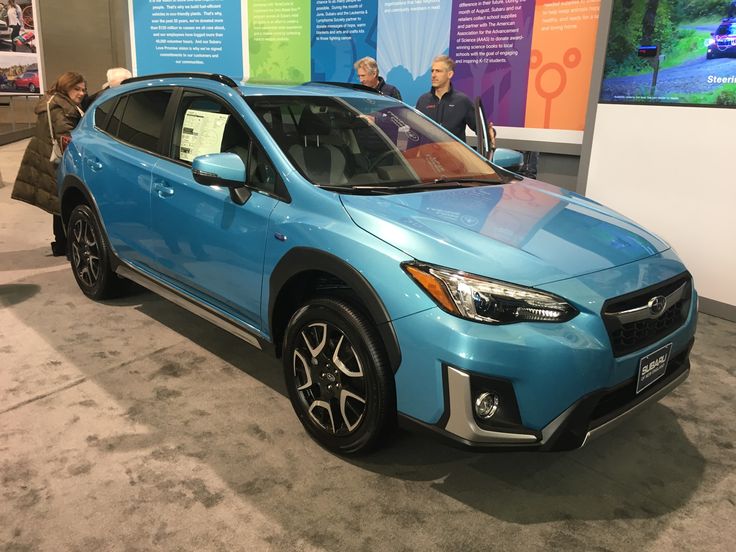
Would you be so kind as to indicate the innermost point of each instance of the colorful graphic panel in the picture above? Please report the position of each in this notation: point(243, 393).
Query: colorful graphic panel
point(278, 33)
point(529, 60)
point(342, 32)
point(187, 35)
point(561, 62)
point(410, 34)
point(491, 43)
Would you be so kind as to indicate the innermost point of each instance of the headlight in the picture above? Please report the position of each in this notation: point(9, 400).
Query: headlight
point(485, 300)
point(708, 42)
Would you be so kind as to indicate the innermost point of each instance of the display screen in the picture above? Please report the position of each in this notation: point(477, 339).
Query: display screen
point(671, 52)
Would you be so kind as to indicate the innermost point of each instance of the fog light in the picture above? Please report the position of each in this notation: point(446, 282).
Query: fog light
point(486, 405)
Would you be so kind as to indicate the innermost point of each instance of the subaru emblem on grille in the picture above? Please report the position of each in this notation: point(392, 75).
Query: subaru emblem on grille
point(657, 305)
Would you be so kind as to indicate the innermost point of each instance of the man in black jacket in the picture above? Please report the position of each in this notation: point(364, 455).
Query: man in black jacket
point(367, 69)
point(447, 106)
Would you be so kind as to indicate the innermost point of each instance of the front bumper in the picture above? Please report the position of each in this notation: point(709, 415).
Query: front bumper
point(561, 383)
point(588, 418)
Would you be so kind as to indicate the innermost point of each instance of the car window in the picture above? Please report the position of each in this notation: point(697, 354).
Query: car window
point(142, 118)
point(114, 123)
point(359, 141)
point(206, 125)
point(102, 112)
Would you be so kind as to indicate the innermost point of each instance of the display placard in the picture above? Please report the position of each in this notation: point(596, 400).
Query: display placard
point(201, 133)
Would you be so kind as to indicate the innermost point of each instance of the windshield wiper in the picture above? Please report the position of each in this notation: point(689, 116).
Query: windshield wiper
point(445, 180)
point(437, 183)
point(358, 188)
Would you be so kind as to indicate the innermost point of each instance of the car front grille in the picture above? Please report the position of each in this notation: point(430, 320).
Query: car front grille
point(621, 398)
point(632, 325)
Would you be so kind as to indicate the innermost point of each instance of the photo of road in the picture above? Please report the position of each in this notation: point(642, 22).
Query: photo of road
point(695, 76)
point(670, 52)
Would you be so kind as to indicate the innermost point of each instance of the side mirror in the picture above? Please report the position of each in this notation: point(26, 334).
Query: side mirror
point(222, 169)
point(509, 159)
point(219, 169)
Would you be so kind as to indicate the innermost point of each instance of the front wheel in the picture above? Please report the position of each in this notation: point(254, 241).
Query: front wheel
point(90, 256)
point(31, 88)
point(338, 378)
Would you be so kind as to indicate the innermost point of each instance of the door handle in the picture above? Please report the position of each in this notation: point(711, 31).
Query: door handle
point(93, 164)
point(163, 190)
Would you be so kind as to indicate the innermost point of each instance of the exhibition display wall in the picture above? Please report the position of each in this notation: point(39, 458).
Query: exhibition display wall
point(668, 167)
point(529, 60)
point(19, 49)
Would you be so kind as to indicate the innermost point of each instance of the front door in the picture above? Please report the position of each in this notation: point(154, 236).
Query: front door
point(204, 242)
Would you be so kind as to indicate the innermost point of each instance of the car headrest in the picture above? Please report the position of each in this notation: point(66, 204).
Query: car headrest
point(312, 124)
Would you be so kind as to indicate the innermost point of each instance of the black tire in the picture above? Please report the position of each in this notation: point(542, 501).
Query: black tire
point(338, 378)
point(31, 88)
point(90, 256)
point(709, 55)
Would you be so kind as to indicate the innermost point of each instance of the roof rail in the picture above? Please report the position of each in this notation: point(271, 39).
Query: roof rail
point(209, 76)
point(351, 85)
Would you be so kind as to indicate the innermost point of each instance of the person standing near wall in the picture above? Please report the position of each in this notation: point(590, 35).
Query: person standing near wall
point(367, 69)
point(15, 21)
point(445, 105)
point(36, 180)
point(115, 76)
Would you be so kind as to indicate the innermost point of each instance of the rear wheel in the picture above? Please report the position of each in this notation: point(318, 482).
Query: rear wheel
point(90, 256)
point(31, 88)
point(338, 379)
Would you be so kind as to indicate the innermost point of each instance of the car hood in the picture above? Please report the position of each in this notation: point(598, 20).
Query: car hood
point(527, 232)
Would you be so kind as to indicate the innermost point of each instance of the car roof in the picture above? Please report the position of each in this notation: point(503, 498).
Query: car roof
point(247, 89)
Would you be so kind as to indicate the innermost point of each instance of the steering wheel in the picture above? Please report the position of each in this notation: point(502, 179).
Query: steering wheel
point(378, 160)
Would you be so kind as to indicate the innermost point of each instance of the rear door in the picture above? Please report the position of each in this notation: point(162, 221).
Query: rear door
point(204, 242)
point(117, 168)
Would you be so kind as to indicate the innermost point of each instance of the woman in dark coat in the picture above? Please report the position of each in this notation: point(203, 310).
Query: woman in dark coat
point(36, 180)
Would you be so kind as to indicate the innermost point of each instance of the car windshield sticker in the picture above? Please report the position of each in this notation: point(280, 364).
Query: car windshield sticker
point(201, 133)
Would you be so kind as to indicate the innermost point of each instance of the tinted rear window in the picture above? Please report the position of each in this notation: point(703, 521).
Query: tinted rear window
point(102, 112)
point(142, 119)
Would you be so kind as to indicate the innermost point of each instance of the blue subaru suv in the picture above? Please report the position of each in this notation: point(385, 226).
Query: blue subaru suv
point(398, 274)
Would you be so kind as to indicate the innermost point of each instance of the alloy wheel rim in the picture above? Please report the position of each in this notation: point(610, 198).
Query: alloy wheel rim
point(85, 252)
point(329, 379)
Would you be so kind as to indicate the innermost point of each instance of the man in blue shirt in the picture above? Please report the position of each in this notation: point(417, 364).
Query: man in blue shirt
point(445, 105)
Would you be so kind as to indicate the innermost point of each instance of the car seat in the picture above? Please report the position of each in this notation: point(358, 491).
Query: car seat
point(321, 162)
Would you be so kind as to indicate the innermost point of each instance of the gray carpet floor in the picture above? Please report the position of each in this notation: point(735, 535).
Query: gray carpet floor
point(132, 425)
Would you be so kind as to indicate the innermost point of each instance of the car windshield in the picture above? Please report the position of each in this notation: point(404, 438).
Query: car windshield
point(726, 30)
point(369, 144)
